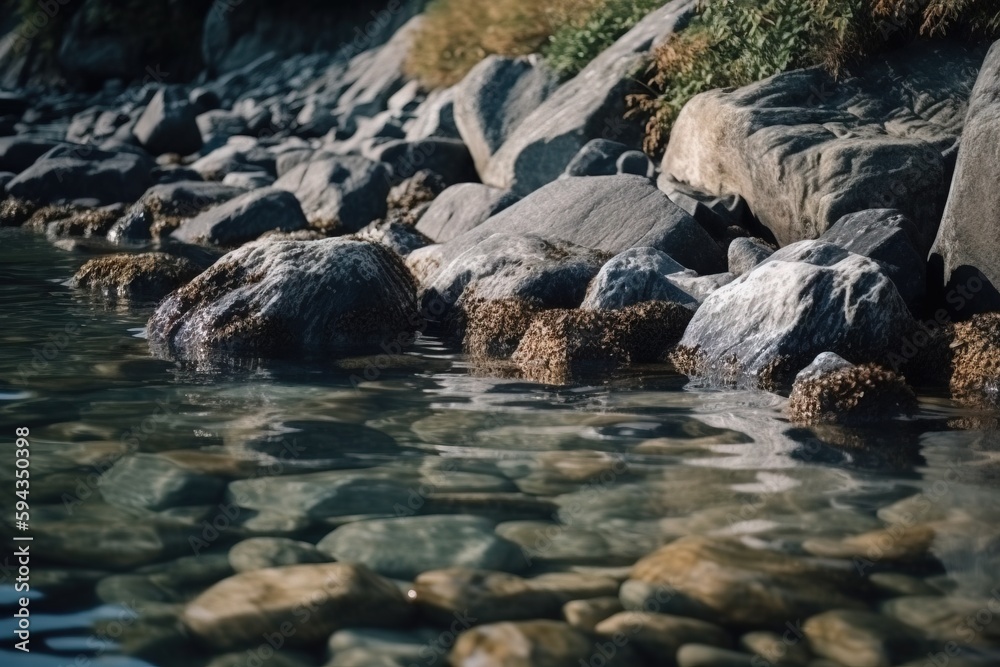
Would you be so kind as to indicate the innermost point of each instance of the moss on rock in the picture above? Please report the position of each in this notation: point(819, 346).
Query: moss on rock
point(15, 212)
point(850, 395)
point(150, 275)
point(975, 363)
point(493, 329)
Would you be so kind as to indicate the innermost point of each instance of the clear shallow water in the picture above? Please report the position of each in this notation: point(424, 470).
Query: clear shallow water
point(589, 475)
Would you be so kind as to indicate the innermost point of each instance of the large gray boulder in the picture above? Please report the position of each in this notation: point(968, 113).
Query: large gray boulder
point(460, 208)
point(807, 298)
point(169, 123)
point(634, 276)
point(435, 117)
point(83, 174)
point(244, 218)
point(609, 213)
point(275, 298)
point(19, 152)
point(495, 97)
point(966, 253)
point(589, 106)
point(804, 150)
point(344, 192)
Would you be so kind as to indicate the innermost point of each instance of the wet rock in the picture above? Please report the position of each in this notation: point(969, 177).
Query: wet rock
point(833, 391)
point(284, 658)
point(14, 212)
point(487, 597)
point(144, 277)
point(460, 208)
point(274, 298)
point(134, 227)
point(151, 482)
point(395, 648)
point(168, 124)
point(735, 584)
point(609, 213)
point(948, 618)
point(534, 643)
point(243, 219)
point(776, 649)
point(258, 553)
point(237, 612)
point(808, 298)
point(17, 153)
point(890, 238)
point(964, 258)
point(558, 343)
point(586, 614)
point(746, 253)
point(83, 174)
point(803, 161)
point(659, 636)
point(598, 157)
point(401, 238)
point(701, 655)
point(588, 106)
point(975, 363)
point(345, 192)
point(862, 638)
point(311, 441)
point(86, 223)
point(109, 543)
point(402, 548)
point(495, 97)
point(493, 329)
point(635, 276)
point(511, 266)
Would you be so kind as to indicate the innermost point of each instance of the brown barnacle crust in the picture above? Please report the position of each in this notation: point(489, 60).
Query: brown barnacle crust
point(975, 374)
point(852, 395)
point(409, 195)
point(41, 216)
point(15, 212)
point(494, 328)
point(149, 275)
point(85, 223)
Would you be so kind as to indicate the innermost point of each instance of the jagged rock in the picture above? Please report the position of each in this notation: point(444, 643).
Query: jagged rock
point(239, 611)
point(746, 253)
point(591, 105)
point(461, 207)
point(435, 117)
point(239, 154)
point(609, 213)
point(807, 298)
point(273, 298)
point(559, 342)
point(495, 97)
point(243, 219)
point(152, 482)
point(966, 257)
point(890, 238)
point(83, 174)
point(147, 276)
point(717, 214)
point(598, 157)
point(411, 197)
point(163, 207)
point(833, 391)
point(863, 638)
point(804, 150)
point(345, 192)
point(168, 124)
point(634, 276)
point(449, 158)
point(218, 125)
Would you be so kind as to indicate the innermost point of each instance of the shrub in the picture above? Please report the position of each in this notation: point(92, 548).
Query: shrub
point(736, 42)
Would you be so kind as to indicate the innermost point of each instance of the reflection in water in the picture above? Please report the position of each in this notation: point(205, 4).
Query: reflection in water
point(145, 473)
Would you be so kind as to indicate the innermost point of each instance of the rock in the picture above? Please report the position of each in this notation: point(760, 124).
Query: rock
point(248, 180)
point(495, 97)
point(163, 207)
point(532, 644)
point(370, 648)
point(975, 362)
point(488, 597)
point(862, 638)
point(897, 544)
point(717, 214)
point(147, 276)
point(239, 154)
point(68, 174)
point(700, 655)
point(700, 287)
point(243, 219)
point(152, 482)
point(17, 153)
point(219, 124)
point(510, 266)
point(609, 213)
point(802, 161)
point(964, 258)
point(345, 193)
point(586, 614)
point(888, 237)
point(435, 117)
point(659, 636)
point(168, 125)
point(598, 157)
point(111, 543)
point(494, 328)
point(776, 649)
point(746, 253)
point(949, 618)
point(635, 276)
point(558, 343)
point(237, 612)
point(591, 105)
point(321, 495)
point(731, 583)
point(832, 391)
point(635, 162)
point(421, 188)
point(461, 207)
point(809, 297)
point(402, 548)
point(274, 298)
point(258, 553)
point(399, 237)
point(448, 158)
point(311, 441)
point(86, 223)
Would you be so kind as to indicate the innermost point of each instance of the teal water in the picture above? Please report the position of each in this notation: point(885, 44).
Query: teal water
point(682, 461)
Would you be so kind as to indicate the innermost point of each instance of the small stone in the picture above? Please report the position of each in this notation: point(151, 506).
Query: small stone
point(532, 644)
point(862, 638)
point(152, 482)
point(586, 614)
point(906, 544)
point(660, 635)
point(634, 162)
point(700, 655)
point(780, 650)
point(261, 552)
